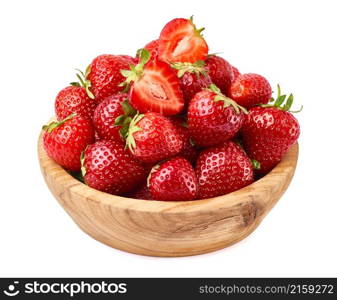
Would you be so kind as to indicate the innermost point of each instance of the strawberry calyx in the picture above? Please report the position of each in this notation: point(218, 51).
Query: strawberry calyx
point(54, 124)
point(131, 129)
point(256, 164)
point(226, 100)
point(282, 102)
point(197, 68)
point(197, 31)
point(136, 71)
point(83, 81)
point(125, 119)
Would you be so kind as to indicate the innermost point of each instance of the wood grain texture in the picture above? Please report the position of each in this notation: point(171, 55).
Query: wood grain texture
point(158, 228)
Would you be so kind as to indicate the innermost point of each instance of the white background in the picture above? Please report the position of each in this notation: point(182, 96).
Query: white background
point(290, 42)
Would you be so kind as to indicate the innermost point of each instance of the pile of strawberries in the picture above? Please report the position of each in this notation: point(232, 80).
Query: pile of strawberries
point(172, 123)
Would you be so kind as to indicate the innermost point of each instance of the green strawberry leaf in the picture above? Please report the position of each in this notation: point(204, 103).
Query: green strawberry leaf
point(144, 56)
point(279, 101)
point(54, 124)
point(133, 128)
point(119, 120)
point(226, 100)
point(214, 89)
point(127, 108)
point(289, 103)
point(197, 68)
point(135, 72)
point(256, 164)
point(84, 82)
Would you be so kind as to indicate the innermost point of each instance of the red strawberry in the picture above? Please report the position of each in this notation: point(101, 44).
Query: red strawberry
point(152, 47)
point(111, 114)
point(129, 59)
point(74, 99)
point(143, 193)
point(181, 41)
point(104, 75)
point(155, 86)
point(188, 150)
point(220, 71)
point(236, 73)
point(193, 78)
point(173, 180)
point(268, 132)
point(65, 140)
point(107, 166)
point(152, 137)
point(223, 169)
point(250, 89)
point(97, 137)
point(213, 118)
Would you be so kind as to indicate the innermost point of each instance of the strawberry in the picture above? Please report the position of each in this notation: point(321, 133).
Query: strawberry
point(188, 150)
point(236, 73)
point(151, 137)
point(213, 118)
point(129, 59)
point(142, 193)
point(181, 41)
point(152, 47)
point(193, 78)
point(111, 114)
point(155, 86)
point(250, 89)
point(220, 71)
point(173, 180)
point(107, 166)
point(65, 140)
point(104, 77)
point(97, 137)
point(269, 131)
point(74, 99)
point(223, 169)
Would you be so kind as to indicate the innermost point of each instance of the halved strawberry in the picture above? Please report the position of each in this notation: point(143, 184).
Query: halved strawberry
point(155, 88)
point(181, 41)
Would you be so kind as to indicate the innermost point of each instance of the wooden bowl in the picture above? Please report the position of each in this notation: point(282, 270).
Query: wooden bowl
point(159, 228)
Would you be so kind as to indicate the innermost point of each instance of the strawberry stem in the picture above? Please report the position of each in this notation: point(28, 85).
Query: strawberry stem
point(197, 31)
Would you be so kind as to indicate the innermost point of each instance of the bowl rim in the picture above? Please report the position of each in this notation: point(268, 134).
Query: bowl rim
point(50, 168)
